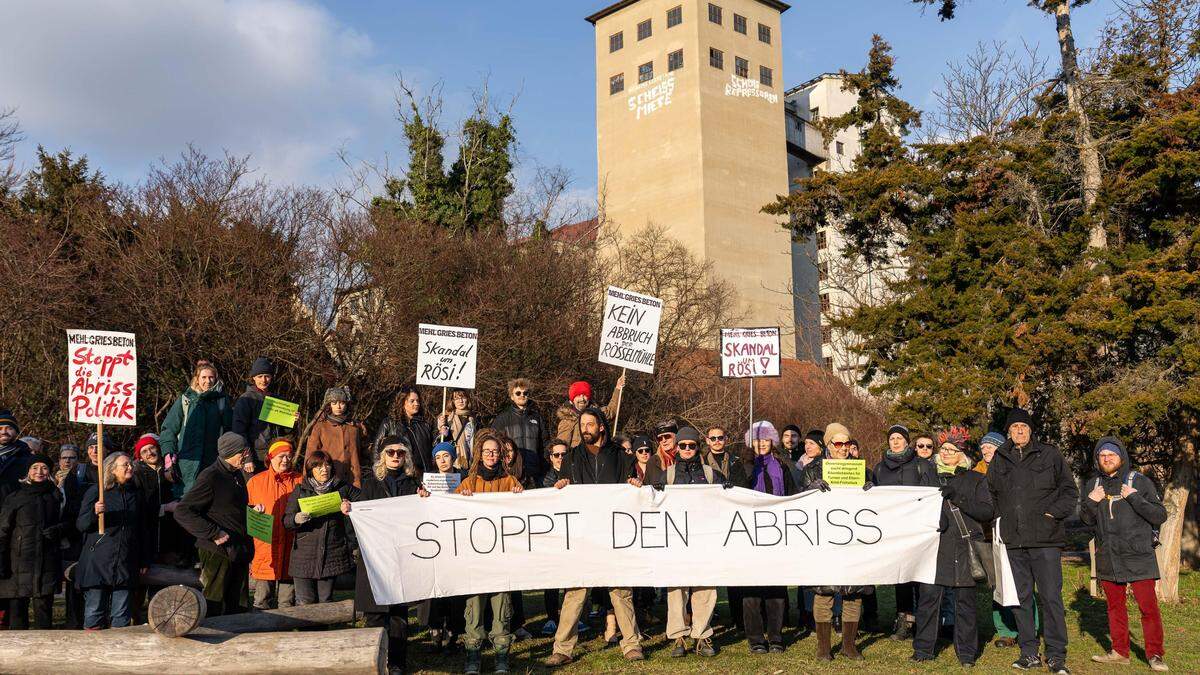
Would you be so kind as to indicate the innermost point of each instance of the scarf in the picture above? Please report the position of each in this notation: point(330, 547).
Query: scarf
point(320, 488)
point(491, 474)
point(718, 461)
point(666, 459)
point(336, 419)
point(895, 460)
point(392, 479)
point(943, 468)
point(768, 466)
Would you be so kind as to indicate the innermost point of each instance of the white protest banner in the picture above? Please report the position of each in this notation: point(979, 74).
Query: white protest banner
point(750, 352)
point(446, 356)
point(101, 377)
point(618, 535)
point(441, 482)
point(629, 337)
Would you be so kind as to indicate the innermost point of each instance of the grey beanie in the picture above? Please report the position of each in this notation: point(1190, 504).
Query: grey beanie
point(687, 433)
point(231, 444)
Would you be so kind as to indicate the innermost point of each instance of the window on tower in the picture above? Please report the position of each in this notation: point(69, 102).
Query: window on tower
point(739, 23)
point(646, 72)
point(764, 33)
point(616, 84)
point(766, 76)
point(675, 60)
point(716, 58)
point(714, 13)
point(674, 16)
point(644, 29)
point(741, 67)
point(615, 42)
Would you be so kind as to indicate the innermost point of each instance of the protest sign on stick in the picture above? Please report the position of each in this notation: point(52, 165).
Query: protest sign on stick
point(446, 357)
point(750, 353)
point(629, 335)
point(102, 385)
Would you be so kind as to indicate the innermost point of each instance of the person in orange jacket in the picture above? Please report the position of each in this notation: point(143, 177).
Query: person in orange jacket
point(268, 492)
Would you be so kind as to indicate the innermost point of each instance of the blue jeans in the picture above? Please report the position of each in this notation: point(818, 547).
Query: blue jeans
point(94, 600)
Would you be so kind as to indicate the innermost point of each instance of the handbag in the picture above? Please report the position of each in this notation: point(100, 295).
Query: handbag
point(978, 571)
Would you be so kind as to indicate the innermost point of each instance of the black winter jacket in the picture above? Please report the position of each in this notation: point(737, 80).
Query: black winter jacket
point(691, 472)
point(1033, 491)
point(321, 548)
point(729, 464)
point(1124, 526)
point(527, 429)
point(417, 433)
point(14, 464)
point(256, 432)
point(969, 494)
point(906, 469)
point(398, 485)
point(609, 466)
point(112, 560)
point(32, 524)
point(217, 503)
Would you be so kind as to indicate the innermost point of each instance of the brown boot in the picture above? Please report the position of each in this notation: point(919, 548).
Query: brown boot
point(849, 635)
point(824, 631)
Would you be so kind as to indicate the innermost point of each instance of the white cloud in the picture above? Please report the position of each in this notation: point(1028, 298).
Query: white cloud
point(127, 82)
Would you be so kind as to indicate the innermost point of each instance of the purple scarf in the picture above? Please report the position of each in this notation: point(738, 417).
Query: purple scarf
point(768, 465)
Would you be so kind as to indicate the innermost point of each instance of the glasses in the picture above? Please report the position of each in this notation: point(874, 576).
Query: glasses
point(924, 446)
point(558, 454)
point(687, 445)
point(840, 444)
point(490, 453)
point(665, 437)
point(517, 392)
point(394, 453)
point(716, 439)
point(642, 451)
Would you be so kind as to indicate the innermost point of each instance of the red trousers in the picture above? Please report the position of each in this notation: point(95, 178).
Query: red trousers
point(1118, 616)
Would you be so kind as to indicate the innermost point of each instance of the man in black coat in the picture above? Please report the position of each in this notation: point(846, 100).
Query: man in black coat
point(1034, 491)
point(214, 512)
point(14, 454)
point(595, 461)
point(1124, 510)
point(522, 422)
point(248, 407)
point(901, 466)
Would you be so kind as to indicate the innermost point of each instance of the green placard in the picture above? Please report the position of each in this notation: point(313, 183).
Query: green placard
point(259, 525)
point(321, 505)
point(844, 472)
point(278, 411)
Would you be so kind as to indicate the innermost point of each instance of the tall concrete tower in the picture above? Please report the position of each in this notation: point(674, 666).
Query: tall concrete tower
point(690, 136)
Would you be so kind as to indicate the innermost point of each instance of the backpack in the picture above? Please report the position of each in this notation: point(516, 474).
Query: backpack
point(708, 473)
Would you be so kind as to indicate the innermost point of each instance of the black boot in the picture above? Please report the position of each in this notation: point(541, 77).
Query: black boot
point(502, 660)
point(473, 659)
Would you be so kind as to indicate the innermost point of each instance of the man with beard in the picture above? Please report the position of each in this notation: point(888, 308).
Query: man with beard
point(595, 461)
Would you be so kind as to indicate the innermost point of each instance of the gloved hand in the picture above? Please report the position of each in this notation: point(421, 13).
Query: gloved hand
point(302, 518)
point(727, 485)
point(947, 491)
point(53, 532)
point(868, 485)
point(820, 484)
point(658, 486)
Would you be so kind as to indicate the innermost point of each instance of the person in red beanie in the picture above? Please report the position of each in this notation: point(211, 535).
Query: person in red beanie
point(579, 397)
point(268, 493)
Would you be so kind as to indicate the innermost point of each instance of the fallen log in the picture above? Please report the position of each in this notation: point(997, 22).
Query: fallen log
point(352, 651)
point(287, 618)
point(167, 575)
point(176, 610)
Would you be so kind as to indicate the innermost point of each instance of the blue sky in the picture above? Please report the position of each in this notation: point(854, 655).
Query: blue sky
point(293, 81)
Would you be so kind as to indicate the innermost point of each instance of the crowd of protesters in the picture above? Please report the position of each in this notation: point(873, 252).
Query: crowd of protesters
point(179, 497)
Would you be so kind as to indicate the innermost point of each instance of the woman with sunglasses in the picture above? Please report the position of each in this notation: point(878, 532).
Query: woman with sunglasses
point(556, 452)
point(642, 450)
point(837, 443)
point(901, 466)
point(394, 475)
point(489, 474)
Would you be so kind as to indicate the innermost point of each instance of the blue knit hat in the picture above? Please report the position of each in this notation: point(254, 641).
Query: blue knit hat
point(993, 437)
point(445, 446)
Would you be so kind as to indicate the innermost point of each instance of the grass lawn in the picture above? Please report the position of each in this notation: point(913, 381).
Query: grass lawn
point(1087, 626)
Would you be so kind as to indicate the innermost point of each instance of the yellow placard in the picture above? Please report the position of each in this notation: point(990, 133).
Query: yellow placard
point(844, 472)
point(321, 505)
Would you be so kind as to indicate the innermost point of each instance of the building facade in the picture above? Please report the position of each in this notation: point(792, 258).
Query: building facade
point(689, 122)
point(828, 284)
